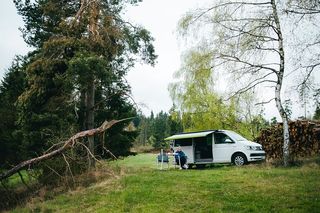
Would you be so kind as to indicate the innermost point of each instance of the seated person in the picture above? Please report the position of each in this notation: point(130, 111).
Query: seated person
point(181, 158)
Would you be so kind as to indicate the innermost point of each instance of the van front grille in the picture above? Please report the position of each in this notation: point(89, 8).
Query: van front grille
point(257, 154)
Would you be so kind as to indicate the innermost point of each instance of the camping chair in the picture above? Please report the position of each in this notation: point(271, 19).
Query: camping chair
point(162, 158)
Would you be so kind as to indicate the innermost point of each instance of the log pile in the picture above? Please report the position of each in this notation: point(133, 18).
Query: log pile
point(304, 139)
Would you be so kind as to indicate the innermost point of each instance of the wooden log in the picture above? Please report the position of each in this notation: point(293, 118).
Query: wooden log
point(304, 137)
point(66, 145)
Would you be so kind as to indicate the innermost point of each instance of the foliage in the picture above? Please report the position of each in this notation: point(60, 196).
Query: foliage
point(274, 120)
point(316, 115)
point(72, 80)
point(12, 85)
point(253, 41)
point(46, 111)
point(201, 106)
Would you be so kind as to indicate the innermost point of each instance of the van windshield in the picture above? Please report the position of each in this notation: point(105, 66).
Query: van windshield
point(236, 136)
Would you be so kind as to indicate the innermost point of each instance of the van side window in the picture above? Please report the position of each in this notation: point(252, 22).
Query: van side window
point(204, 140)
point(221, 138)
point(183, 142)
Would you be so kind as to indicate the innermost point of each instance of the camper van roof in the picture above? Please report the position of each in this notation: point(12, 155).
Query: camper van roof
point(190, 135)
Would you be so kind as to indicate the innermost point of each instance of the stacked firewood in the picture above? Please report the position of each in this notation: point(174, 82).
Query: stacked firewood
point(304, 139)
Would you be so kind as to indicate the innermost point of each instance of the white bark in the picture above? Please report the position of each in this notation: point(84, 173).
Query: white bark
point(283, 114)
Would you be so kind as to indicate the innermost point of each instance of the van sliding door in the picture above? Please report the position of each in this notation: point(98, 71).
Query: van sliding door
point(203, 149)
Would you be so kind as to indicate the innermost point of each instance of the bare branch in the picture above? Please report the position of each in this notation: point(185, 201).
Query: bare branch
point(305, 11)
point(54, 171)
point(242, 31)
point(309, 70)
point(236, 59)
point(68, 166)
point(250, 86)
point(265, 102)
point(108, 151)
point(227, 4)
point(89, 152)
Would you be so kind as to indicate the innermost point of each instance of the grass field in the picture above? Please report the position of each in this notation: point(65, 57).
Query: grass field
point(140, 187)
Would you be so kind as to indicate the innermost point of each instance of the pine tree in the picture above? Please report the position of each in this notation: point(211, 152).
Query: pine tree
point(316, 115)
point(11, 87)
point(83, 49)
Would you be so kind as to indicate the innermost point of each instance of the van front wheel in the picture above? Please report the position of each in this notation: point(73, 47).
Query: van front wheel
point(239, 159)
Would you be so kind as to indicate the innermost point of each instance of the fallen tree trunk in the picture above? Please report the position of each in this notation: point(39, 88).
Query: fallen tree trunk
point(66, 145)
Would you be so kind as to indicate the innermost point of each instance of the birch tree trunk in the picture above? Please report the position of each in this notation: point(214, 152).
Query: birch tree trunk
point(280, 74)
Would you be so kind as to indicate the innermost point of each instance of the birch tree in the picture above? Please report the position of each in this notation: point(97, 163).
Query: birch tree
point(305, 15)
point(194, 92)
point(245, 38)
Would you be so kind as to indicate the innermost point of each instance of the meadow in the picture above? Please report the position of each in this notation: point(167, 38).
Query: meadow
point(139, 186)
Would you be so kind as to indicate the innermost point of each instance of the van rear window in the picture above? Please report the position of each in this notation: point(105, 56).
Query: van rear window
point(183, 142)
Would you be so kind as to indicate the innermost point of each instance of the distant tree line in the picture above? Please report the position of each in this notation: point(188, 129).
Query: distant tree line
point(154, 128)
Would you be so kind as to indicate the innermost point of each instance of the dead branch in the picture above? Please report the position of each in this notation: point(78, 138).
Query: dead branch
point(89, 152)
point(68, 167)
point(67, 144)
point(108, 151)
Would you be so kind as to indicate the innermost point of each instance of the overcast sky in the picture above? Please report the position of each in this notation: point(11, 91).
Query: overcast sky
point(149, 84)
point(11, 42)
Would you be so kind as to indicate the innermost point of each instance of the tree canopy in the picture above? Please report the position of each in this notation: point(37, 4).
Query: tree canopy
point(73, 79)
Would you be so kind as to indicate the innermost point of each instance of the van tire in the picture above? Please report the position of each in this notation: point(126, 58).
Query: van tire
point(200, 166)
point(239, 159)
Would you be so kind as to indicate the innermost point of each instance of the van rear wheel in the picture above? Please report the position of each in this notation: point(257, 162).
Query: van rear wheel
point(239, 159)
point(200, 166)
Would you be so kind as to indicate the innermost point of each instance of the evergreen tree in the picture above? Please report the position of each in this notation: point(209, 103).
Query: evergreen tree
point(175, 122)
point(316, 115)
point(11, 87)
point(161, 128)
point(83, 49)
point(153, 129)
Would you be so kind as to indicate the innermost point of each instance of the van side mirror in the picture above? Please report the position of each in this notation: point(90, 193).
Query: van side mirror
point(228, 140)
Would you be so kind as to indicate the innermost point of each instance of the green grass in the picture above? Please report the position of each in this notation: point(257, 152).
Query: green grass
point(253, 188)
point(15, 180)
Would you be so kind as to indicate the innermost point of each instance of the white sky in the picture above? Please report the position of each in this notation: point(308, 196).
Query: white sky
point(149, 84)
point(11, 41)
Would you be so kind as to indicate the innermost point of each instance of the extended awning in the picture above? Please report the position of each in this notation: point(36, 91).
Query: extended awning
point(189, 135)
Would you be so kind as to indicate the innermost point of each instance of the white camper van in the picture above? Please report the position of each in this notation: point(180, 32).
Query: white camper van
point(216, 146)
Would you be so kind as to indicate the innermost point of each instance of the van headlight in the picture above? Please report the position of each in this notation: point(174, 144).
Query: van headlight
point(254, 148)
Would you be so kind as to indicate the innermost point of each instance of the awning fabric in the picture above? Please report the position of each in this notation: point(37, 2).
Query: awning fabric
point(189, 135)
